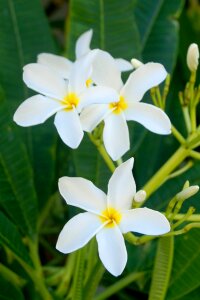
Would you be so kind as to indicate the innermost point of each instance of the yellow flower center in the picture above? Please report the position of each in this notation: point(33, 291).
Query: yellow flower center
point(118, 107)
point(70, 101)
point(88, 82)
point(111, 216)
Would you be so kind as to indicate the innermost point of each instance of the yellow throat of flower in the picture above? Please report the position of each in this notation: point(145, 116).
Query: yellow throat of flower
point(118, 107)
point(88, 82)
point(111, 216)
point(70, 101)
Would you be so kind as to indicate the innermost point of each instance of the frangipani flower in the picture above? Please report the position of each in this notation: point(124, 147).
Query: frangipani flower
point(63, 98)
point(63, 66)
point(127, 105)
point(107, 217)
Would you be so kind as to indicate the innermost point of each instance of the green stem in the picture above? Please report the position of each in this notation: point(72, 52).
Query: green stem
point(119, 285)
point(45, 212)
point(104, 154)
point(181, 170)
point(187, 118)
point(157, 180)
point(36, 278)
point(193, 218)
point(185, 218)
point(68, 271)
point(11, 276)
point(193, 118)
point(91, 258)
point(178, 135)
point(195, 154)
point(93, 281)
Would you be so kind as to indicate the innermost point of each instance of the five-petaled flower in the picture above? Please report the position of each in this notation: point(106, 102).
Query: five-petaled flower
point(63, 66)
point(107, 217)
point(127, 105)
point(65, 98)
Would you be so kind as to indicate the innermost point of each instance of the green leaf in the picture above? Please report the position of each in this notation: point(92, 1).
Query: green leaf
point(186, 269)
point(24, 32)
point(158, 29)
point(10, 237)
point(162, 268)
point(194, 295)
point(9, 291)
point(113, 25)
point(17, 192)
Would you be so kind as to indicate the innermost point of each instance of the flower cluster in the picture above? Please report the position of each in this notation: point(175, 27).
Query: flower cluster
point(88, 91)
point(82, 94)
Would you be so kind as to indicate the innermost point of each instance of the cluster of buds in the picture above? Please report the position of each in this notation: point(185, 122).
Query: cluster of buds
point(190, 97)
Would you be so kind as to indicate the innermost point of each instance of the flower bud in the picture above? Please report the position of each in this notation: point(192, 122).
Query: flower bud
point(136, 63)
point(187, 192)
point(140, 196)
point(193, 57)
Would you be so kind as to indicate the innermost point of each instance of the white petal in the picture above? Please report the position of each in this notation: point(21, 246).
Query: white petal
point(121, 186)
point(92, 115)
point(69, 127)
point(78, 232)
point(105, 71)
point(81, 72)
point(42, 79)
point(123, 65)
point(112, 250)
point(82, 193)
point(116, 135)
point(98, 95)
point(59, 64)
point(142, 79)
point(36, 110)
point(83, 43)
point(144, 220)
point(150, 116)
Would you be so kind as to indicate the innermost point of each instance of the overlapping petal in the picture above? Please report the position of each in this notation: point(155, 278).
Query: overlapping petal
point(105, 71)
point(116, 135)
point(82, 193)
point(142, 79)
point(121, 186)
point(98, 94)
point(59, 64)
point(145, 221)
point(78, 232)
point(92, 115)
point(83, 43)
point(68, 125)
point(150, 116)
point(112, 249)
point(42, 79)
point(81, 72)
point(36, 110)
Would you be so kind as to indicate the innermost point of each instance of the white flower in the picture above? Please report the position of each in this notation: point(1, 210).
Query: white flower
point(65, 98)
point(107, 217)
point(127, 105)
point(63, 65)
point(193, 57)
